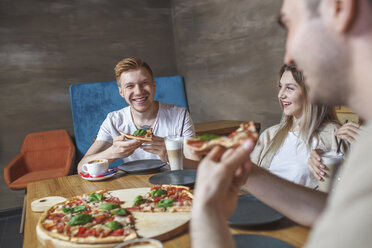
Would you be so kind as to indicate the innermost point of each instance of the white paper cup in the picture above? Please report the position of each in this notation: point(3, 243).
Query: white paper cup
point(174, 145)
point(332, 162)
point(96, 167)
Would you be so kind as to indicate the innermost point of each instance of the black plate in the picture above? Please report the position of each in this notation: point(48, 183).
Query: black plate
point(258, 241)
point(250, 211)
point(176, 177)
point(142, 166)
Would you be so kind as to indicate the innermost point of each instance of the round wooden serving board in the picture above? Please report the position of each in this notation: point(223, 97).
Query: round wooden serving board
point(160, 226)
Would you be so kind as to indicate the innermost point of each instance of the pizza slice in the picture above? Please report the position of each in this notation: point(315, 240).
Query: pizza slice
point(164, 198)
point(239, 136)
point(139, 134)
point(96, 217)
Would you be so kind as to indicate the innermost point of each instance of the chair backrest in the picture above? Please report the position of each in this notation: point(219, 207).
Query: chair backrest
point(48, 150)
point(91, 102)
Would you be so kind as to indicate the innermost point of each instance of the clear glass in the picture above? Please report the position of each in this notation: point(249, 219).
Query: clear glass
point(174, 145)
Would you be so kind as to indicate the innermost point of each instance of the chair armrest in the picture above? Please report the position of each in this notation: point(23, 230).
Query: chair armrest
point(15, 169)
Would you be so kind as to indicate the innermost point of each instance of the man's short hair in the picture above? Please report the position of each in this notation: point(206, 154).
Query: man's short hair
point(128, 64)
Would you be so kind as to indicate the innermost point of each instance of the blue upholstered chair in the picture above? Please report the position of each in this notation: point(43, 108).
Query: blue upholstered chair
point(91, 102)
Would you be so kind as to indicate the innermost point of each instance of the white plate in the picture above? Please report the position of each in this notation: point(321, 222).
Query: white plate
point(93, 179)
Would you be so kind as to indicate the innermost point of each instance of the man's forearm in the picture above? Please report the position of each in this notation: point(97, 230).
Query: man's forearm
point(209, 230)
point(302, 205)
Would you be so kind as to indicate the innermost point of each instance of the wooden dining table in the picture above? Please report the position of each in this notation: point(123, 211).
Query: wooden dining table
point(73, 185)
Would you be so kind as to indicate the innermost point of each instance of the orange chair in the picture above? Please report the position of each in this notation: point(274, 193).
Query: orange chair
point(43, 155)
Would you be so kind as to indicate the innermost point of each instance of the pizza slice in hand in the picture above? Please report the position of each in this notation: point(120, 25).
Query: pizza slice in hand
point(139, 134)
point(239, 136)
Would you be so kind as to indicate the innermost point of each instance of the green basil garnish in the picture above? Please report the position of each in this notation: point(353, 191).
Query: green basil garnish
point(113, 225)
point(95, 197)
point(74, 209)
point(120, 211)
point(158, 192)
point(138, 200)
point(208, 137)
point(80, 219)
point(139, 132)
point(165, 203)
point(108, 206)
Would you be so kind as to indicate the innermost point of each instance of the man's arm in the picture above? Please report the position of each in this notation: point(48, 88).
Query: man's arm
point(111, 152)
point(302, 205)
point(219, 177)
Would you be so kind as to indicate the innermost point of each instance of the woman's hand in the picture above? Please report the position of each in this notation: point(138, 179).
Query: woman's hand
point(349, 132)
point(315, 165)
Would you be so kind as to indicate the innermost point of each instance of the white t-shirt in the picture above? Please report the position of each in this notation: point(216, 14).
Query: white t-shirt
point(168, 122)
point(290, 162)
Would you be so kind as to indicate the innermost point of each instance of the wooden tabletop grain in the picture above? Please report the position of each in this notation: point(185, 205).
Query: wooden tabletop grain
point(74, 185)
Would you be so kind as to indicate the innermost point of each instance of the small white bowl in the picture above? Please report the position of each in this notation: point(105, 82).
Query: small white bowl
point(141, 243)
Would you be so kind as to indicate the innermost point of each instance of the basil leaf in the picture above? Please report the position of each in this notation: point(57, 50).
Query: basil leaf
point(159, 192)
point(95, 197)
point(139, 132)
point(208, 136)
point(108, 206)
point(120, 211)
point(165, 203)
point(80, 219)
point(113, 225)
point(74, 209)
point(138, 200)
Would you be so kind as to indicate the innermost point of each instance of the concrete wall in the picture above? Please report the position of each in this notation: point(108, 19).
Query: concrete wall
point(47, 45)
point(229, 53)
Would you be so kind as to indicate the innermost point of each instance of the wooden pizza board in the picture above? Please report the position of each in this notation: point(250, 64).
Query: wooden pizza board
point(161, 226)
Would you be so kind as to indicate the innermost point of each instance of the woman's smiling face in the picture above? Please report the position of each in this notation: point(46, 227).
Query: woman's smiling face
point(290, 95)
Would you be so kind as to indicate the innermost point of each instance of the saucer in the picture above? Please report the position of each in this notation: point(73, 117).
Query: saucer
point(108, 174)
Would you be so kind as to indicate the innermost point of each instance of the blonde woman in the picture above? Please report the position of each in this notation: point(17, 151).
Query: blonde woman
point(284, 149)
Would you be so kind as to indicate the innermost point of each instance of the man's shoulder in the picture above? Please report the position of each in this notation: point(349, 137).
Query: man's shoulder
point(119, 115)
point(170, 108)
point(119, 112)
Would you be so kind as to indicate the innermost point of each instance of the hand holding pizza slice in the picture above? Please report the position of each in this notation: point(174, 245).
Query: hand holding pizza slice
point(139, 134)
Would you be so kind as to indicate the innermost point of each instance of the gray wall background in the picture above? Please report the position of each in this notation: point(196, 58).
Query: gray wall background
point(229, 53)
point(46, 45)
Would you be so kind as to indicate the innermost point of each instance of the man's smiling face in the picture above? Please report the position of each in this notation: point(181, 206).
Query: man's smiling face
point(137, 87)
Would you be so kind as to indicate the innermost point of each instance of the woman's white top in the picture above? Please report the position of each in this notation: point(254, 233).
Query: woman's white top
point(290, 162)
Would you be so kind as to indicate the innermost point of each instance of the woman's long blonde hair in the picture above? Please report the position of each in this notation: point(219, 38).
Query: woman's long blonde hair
point(312, 119)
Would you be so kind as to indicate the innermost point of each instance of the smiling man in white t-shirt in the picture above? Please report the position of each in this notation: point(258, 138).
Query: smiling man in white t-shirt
point(137, 86)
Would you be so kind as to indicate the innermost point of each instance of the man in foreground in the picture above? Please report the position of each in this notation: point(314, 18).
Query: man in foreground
point(331, 42)
point(137, 86)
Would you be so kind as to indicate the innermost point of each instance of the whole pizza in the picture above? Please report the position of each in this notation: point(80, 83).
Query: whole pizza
point(98, 217)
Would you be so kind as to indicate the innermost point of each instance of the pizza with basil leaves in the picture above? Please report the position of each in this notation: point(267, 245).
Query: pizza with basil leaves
point(164, 198)
point(139, 134)
point(95, 217)
point(239, 136)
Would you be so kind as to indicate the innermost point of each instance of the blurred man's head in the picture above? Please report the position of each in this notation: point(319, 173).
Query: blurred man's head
point(318, 42)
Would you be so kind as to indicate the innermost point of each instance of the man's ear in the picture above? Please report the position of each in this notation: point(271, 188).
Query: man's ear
point(344, 14)
point(121, 91)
